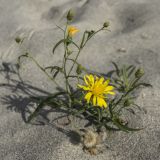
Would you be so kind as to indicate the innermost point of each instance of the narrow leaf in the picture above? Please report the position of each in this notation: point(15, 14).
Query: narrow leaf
point(55, 69)
point(130, 67)
point(117, 69)
point(131, 110)
point(22, 56)
point(111, 128)
point(144, 84)
point(42, 103)
point(61, 41)
point(131, 71)
point(124, 127)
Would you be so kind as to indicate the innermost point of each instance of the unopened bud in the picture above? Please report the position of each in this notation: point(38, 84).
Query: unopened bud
point(69, 52)
point(90, 33)
point(123, 121)
point(18, 39)
point(127, 103)
point(139, 73)
point(79, 69)
point(106, 24)
point(70, 15)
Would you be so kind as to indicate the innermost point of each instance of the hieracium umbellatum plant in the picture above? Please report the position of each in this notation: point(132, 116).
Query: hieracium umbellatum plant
point(96, 98)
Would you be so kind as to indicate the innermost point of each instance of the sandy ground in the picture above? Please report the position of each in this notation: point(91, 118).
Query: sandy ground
point(134, 39)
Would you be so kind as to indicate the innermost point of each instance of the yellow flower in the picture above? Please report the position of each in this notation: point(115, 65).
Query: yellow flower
point(97, 89)
point(72, 30)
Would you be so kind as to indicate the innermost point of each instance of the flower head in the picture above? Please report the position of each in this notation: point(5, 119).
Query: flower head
point(97, 89)
point(72, 30)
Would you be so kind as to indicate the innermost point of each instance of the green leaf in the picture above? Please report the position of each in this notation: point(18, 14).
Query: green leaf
point(79, 112)
point(42, 103)
point(83, 38)
point(138, 85)
point(118, 81)
point(55, 69)
point(52, 68)
point(117, 68)
point(61, 41)
point(131, 110)
point(111, 108)
point(144, 84)
point(60, 28)
point(70, 41)
point(129, 67)
point(90, 33)
point(138, 107)
point(99, 114)
point(131, 71)
point(22, 56)
point(74, 76)
point(111, 128)
point(79, 69)
point(124, 127)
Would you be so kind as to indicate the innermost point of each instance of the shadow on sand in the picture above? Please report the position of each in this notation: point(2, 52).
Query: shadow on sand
point(19, 99)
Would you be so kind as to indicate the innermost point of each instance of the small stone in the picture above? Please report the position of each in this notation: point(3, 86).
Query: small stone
point(144, 110)
point(143, 95)
point(159, 147)
point(139, 60)
point(122, 50)
point(144, 36)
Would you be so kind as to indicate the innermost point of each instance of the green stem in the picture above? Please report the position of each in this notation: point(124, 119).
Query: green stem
point(81, 47)
point(42, 69)
point(92, 36)
point(64, 67)
point(75, 61)
point(73, 76)
point(123, 96)
point(83, 38)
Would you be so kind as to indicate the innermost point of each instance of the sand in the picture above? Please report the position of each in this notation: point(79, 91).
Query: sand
point(134, 39)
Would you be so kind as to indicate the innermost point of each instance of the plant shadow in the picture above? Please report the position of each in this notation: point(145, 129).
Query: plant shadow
point(19, 98)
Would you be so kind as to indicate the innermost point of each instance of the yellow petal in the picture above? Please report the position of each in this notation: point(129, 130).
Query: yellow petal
point(94, 100)
point(105, 104)
point(72, 30)
point(101, 80)
point(97, 81)
point(91, 78)
point(86, 80)
point(101, 102)
point(88, 96)
point(110, 92)
point(109, 88)
point(106, 82)
point(84, 87)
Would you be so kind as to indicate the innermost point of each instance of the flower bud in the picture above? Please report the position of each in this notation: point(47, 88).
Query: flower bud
point(106, 24)
point(127, 103)
point(79, 69)
point(123, 121)
point(70, 15)
point(18, 39)
point(69, 52)
point(72, 31)
point(139, 73)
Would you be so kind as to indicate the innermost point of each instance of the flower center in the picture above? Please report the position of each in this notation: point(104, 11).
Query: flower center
point(98, 90)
